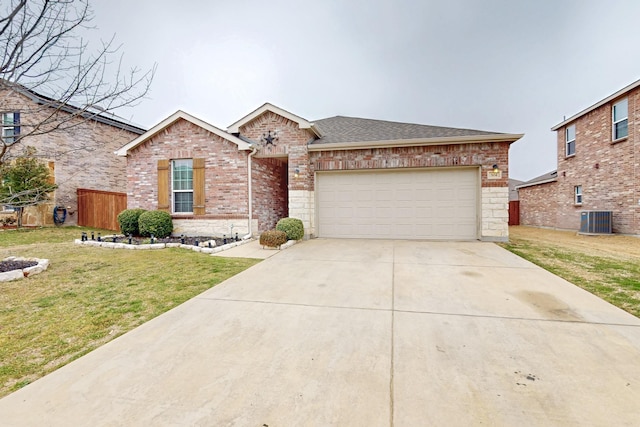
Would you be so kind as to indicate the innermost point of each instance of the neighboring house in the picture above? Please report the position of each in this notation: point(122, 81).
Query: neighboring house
point(79, 157)
point(598, 168)
point(513, 191)
point(342, 176)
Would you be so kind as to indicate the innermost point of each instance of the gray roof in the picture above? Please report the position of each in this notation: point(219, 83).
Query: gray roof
point(99, 116)
point(542, 179)
point(352, 129)
point(513, 192)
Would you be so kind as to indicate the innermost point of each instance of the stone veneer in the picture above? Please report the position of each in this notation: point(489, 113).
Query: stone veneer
point(213, 227)
point(495, 214)
point(302, 206)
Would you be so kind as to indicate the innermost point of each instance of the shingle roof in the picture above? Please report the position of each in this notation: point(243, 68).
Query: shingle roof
point(104, 117)
point(342, 129)
point(542, 179)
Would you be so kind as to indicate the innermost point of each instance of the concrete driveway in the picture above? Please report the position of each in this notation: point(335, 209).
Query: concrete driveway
point(361, 333)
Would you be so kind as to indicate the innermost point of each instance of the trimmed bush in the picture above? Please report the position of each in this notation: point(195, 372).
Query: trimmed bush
point(292, 227)
point(273, 238)
point(158, 223)
point(128, 220)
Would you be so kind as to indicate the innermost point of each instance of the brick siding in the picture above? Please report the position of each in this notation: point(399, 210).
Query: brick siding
point(226, 177)
point(608, 172)
point(83, 157)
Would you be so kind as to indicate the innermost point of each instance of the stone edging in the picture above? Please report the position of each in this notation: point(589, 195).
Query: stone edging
point(7, 276)
point(204, 250)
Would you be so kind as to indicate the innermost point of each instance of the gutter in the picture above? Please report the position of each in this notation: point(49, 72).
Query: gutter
point(500, 137)
point(531, 184)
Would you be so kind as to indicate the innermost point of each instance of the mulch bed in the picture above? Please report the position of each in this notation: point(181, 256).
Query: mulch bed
point(143, 240)
point(15, 265)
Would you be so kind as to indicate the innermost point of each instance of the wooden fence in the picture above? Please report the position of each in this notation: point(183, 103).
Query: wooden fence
point(514, 212)
point(100, 209)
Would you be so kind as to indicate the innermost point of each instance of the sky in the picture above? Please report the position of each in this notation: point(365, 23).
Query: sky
point(511, 66)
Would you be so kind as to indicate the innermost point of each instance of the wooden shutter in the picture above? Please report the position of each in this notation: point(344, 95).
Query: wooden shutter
point(52, 173)
point(198, 187)
point(163, 185)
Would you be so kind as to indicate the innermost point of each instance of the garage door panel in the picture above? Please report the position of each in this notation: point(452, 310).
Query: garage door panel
point(416, 204)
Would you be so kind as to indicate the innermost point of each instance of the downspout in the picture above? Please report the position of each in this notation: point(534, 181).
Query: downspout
point(253, 152)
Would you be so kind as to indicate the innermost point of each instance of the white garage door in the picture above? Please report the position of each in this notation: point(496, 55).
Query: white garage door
point(439, 204)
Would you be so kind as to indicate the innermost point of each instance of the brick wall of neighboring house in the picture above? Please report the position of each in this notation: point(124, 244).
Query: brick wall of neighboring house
point(538, 205)
point(83, 157)
point(609, 172)
point(226, 175)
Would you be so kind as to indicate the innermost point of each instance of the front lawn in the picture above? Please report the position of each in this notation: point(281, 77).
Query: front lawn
point(607, 266)
point(89, 296)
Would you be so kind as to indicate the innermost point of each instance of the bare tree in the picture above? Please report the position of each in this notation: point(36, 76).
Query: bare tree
point(41, 52)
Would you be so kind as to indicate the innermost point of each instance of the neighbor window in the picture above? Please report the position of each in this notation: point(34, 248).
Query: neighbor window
point(570, 138)
point(578, 194)
point(182, 185)
point(10, 127)
point(620, 119)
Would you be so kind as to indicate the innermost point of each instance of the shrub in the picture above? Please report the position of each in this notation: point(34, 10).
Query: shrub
point(273, 238)
point(158, 223)
point(128, 220)
point(292, 227)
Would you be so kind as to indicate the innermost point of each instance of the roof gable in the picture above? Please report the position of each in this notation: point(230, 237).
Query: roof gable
point(598, 104)
point(242, 145)
point(302, 123)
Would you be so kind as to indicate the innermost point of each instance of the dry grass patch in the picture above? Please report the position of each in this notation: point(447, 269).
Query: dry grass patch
point(89, 296)
point(607, 266)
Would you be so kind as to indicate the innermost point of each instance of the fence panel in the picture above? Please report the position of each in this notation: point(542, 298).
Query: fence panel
point(100, 209)
point(514, 212)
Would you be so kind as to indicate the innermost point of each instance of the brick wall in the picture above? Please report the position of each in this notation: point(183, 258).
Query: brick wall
point(270, 197)
point(226, 176)
point(275, 186)
point(484, 155)
point(291, 145)
point(608, 172)
point(538, 205)
point(83, 157)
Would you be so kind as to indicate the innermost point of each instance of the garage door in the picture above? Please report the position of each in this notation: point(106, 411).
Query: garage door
point(439, 204)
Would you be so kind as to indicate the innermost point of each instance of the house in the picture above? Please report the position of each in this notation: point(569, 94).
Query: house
point(80, 156)
point(598, 151)
point(342, 176)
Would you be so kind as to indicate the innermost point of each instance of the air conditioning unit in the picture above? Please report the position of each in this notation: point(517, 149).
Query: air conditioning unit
point(595, 222)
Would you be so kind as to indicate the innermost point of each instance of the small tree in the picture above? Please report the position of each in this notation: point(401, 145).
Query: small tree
point(26, 181)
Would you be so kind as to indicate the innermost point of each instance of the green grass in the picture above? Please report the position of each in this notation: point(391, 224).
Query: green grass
point(614, 280)
point(89, 296)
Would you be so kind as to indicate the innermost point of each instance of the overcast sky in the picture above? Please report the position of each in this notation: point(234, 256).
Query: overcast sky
point(498, 65)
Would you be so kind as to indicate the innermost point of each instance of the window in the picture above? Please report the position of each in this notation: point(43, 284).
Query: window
point(620, 119)
point(10, 127)
point(182, 185)
point(570, 138)
point(578, 194)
